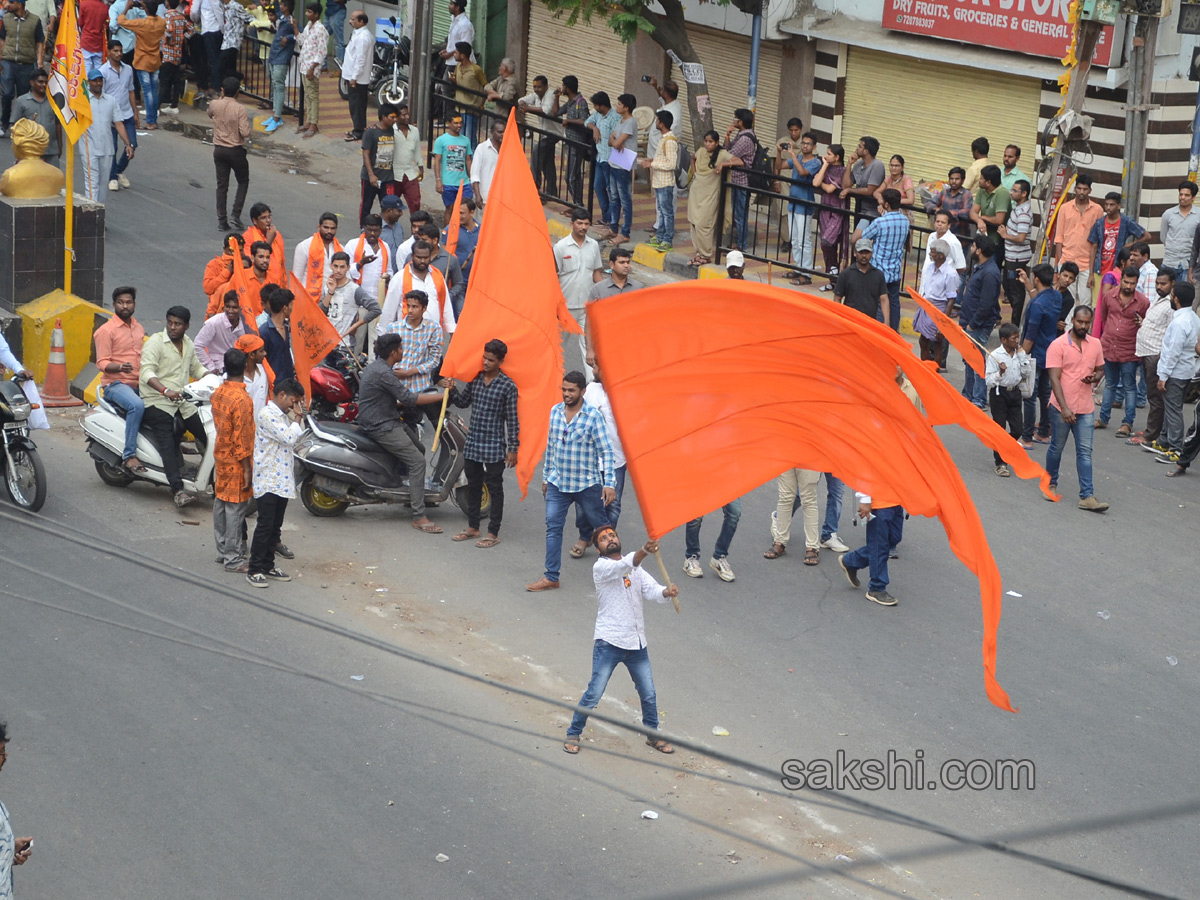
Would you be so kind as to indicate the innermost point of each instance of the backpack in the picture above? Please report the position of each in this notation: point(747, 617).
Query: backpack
point(760, 176)
point(683, 165)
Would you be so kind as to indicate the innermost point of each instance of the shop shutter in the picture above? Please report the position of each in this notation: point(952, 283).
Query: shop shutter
point(441, 23)
point(726, 60)
point(958, 104)
point(599, 65)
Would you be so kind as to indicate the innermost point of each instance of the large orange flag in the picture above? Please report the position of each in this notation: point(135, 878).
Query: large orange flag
point(972, 353)
point(514, 296)
point(454, 225)
point(237, 278)
point(313, 335)
point(698, 387)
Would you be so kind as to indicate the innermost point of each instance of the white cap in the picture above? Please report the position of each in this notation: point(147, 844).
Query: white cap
point(735, 258)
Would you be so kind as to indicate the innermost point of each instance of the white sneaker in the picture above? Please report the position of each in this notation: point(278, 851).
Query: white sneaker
point(721, 567)
point(691, 567)
point(835, 544)
point(113, 185)
point(170, 110)
point(123, 180)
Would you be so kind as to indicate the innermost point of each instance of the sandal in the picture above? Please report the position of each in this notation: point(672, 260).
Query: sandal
point(487, 542)
point(811, 557)
point(660, 745)
point(571, 745)
point(776, 550)
point(578, 549)
point(133, 464)
point(464, 536)
point(428, 528)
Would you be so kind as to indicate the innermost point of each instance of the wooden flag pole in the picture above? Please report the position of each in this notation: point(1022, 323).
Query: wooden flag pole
point(442, 418)
point(662, 567)
point(69, 230)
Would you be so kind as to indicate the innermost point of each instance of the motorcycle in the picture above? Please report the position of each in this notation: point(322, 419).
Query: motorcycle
point(335, 385)
point(104, 429)
point(337, 466)
point(24, 474)
point(388, 83)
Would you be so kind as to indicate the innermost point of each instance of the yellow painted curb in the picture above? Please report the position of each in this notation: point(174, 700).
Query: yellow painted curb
point(79, 320)
point(645, 255)
point(712, 270)
point(261, 120)
point(557, 228)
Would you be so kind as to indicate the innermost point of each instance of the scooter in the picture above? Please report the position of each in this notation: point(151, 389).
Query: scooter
point(104, 428)
point(338, 466)
point(24, 474)
point(335, 386)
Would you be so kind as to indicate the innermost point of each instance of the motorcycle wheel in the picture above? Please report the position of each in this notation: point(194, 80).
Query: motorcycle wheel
point(485, 501)
point(343, 88)
point(28, 488)
point(393, 92)
point(318, 502)
point(115, 476)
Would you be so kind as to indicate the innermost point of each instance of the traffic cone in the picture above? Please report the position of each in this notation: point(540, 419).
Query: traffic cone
point(55, 391)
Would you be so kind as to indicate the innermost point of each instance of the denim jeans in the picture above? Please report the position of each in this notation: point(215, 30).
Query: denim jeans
point(1084, 431)
point(884, 533)
point(605, 659)
point(613, 510)
point(664, 205)
point(278, 89)
point(14, 81)
point(893, 289)
point(591, 501)
point(741, 206)
point(800, 228)
point(974, 387)
point(470, 129)
point(600, 189)
point(620, 198)
point(1123, 374)
point(835, 489)
point(335, 22)
point(129, 402)
point(731, 513)
point(1036, 408)
point(121, 160)
point(149, 82)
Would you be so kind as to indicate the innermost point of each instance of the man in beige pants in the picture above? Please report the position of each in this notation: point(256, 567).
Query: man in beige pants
point(791, 482)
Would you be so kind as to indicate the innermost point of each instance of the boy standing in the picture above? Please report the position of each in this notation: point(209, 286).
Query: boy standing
point(233, 454)
point(274, 483)
point(1004, 370)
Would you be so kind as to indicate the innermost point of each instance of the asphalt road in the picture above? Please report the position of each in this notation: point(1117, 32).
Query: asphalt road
point(197, 741)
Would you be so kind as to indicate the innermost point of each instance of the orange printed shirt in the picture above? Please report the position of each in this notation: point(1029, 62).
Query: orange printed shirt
point(233, 415)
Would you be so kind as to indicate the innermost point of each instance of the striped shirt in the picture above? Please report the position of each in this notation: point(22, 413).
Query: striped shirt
point(1020, 221)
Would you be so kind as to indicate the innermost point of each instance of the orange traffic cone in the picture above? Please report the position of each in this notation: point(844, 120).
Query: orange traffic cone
point(55, 392)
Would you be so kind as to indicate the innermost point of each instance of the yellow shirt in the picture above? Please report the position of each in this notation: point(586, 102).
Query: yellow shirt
point(469, 75)
point(172, 366)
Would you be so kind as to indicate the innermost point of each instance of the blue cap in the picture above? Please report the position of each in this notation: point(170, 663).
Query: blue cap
point(93, 74)
point(391, 202)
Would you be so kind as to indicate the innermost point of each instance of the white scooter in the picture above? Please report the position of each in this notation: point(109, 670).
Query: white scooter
point(104, 427)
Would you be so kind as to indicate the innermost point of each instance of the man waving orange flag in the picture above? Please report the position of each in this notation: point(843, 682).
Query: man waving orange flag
point(514, 296)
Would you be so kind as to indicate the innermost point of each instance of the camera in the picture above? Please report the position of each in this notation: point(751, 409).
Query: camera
point(646, 78)
point(785, 145)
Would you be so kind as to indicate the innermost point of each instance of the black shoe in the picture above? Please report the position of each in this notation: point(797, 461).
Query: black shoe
point(222, 225)
point(281, 549)
point(237, 225)
point(277, 575)
point(851, 574)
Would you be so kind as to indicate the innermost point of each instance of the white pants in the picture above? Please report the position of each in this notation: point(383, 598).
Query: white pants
point(799, 225)
point(789, 483)
point(95, 177)
point(1083, 293)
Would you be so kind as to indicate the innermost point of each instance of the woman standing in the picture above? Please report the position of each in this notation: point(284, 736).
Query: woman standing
point(897, 180)
point(704, 197)
point(833, 227)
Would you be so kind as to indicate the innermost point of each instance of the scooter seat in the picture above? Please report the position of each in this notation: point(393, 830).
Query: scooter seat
point(351, 433)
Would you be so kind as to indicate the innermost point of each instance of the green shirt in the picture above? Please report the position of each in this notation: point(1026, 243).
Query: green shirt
point(998, 200)
point(173, 367)
point(1007, 181)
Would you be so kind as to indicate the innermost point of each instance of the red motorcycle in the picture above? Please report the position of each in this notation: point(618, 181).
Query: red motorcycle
point(335, 386)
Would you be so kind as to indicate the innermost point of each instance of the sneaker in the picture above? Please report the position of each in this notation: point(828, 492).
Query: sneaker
point(258, 580)
point(3, 133)
point(271, 125)
point(237, 225)
point(1091, 504)
point(124, 182)
point(114, 185)
point(691, 567)
point(1155, 447)
point(883, 598)
point(851, 574)
point(1003, 471)
point(183, 498)
point(170, 110)
point(652, 242)
point(1168, 457)
point(834, 543)
point(664, 247)
point(282, 550)
point(277, 574)
point(720, 565)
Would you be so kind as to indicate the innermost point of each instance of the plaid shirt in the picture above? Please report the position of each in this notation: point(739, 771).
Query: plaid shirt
point(578, 453)
point(889, 232)
point(179, 29)
point(959, 208)
point(493, 412)
point(743, 146)
point(422, 348)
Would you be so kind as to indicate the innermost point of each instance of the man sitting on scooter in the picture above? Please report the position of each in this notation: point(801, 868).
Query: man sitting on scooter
point(168, 363)
point(380, 394)
point(119, 356)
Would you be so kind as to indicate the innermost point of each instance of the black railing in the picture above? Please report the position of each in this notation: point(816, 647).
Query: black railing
point(563, 168)
point(255, 74)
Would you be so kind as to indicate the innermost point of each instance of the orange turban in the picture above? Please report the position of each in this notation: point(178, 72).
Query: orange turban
point(248, 343)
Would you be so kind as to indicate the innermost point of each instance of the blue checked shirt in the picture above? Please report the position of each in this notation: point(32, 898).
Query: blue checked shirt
point(890, 233)
point(493, 413)
point(422, 349)
point(578, 453)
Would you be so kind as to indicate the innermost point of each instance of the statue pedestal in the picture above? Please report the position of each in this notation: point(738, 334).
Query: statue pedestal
point(31, 249)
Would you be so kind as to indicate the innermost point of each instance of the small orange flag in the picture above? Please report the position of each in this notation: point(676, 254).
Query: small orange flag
point(972, 353)
point(238, 280)
point(453, 226)
point(514, 296)
point(313, 335)
point(697, 387)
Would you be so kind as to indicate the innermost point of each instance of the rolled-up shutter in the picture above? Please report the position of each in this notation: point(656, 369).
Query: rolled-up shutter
point(958, 104)
point(600, 64)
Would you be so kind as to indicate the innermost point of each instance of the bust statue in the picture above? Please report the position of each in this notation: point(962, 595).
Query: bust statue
point(31, 177)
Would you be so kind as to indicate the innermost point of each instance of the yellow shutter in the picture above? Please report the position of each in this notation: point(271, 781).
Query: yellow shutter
point(600, 67)
point(933, 128)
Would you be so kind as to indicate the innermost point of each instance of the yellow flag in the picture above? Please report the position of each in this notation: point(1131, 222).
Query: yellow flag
point(68, 81)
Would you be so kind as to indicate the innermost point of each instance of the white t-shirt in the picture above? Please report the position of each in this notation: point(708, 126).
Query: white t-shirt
point(372, 271)
point(344, 303)
point(546, 104)
point(652, 139)
point(433, 313)
point(256, 387)
point(598, 397)
point(483, 167)
point(575, 266)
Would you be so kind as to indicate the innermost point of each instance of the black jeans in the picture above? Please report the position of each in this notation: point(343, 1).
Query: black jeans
point(477, 473)
point(198, 58)
point(161, 426)
point(1014, 291)
point(370, 192)
point(357, 100)
point(573, 160)
point(170, 85)
point(1007, 411)
point(1037, 407)
point(271, 508)
point(227, 66)
point(14, 81)
point(543, 165)
point(231, 159)
point(212, 55)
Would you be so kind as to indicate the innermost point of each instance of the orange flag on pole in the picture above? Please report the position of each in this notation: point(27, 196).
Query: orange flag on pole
point(453, 226)
point(971, 351)
point(801, 383)
point(313, 335)
point(238, 279)
point(514, 296)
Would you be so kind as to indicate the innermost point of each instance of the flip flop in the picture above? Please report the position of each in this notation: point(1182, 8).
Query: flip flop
point(428, 528)
point(576, 551)
point(660, 745)
point(138, 468)
point(571, 745)
point(487, 543)
point(464, 536)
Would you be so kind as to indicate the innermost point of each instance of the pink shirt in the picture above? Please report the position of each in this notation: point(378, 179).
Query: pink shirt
point(1077, 361)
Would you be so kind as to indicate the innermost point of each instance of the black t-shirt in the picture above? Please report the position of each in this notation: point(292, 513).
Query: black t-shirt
point(378, 391)
point(861, 290)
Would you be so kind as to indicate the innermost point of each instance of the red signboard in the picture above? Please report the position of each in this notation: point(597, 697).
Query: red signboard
point(1033, 27)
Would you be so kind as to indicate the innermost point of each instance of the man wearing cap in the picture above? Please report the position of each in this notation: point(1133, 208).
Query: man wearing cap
point(735, 265)
point(258, 377)
point(106, 122)
point(36, 107)
point(862, 286)
point(392, 232)
point(22, 46)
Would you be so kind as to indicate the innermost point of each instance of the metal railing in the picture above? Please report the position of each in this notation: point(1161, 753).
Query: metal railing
point(255, 74)
point(562, 167)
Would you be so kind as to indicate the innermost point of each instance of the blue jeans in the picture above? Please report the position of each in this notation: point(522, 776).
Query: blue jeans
point(591, 502)
point(605, 659)
point(1180, 272)
point(471, 129)
point(600, 190)
point(1084, 431)
point(893, 289)
point(1141, 384)
point(664, 206)
point(149, 82)
point(1039, 402)
point(731, 514)
point(835, 489)
point(278, 89)
point(121, 160)
point(620, 198)
point(128, 401)
point(335, 21)
point(1124, 376)
point(974, 387)
point(741, 206)
point(884, 532)
point(613, 509)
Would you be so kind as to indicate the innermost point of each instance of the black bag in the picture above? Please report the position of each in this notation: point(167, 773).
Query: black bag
point(761, 176)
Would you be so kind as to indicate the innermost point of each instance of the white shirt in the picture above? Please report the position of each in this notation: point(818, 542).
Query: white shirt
point(939, 283)
point(483, 167)
point(620, 589)
point(1012, 368)
point(406, 158)
point(356, 64)
point(955, 256)
point(546, 104)
point(212, 16)
point(597, 396)
point(461, 29)
point(403, 254)
point(256, 387)
point(300, 260)
point(655, 135)
point(576, 266)
point(372, 271)
point(433, 313)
